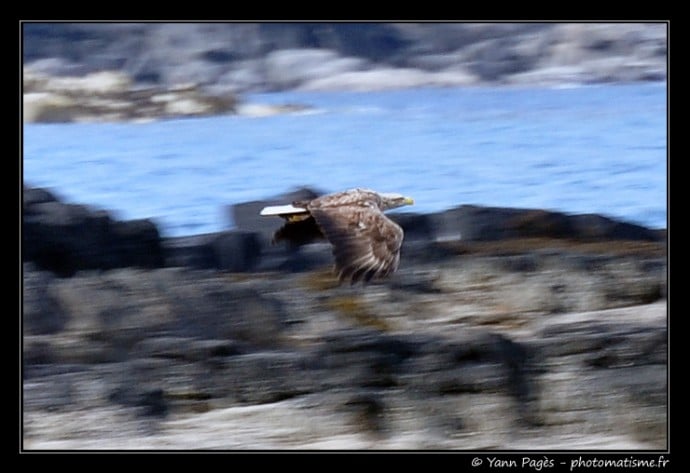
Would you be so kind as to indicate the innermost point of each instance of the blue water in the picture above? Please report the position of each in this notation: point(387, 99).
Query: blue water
point(587, 149)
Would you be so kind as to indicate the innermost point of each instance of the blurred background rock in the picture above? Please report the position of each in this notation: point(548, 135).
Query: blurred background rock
point(197, 69)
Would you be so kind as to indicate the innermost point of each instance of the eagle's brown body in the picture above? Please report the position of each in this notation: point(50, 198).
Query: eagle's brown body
point(366, 243)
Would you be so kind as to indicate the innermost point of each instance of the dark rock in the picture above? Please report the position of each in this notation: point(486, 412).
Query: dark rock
point(415, 226)
point(598, 227)
point(149, 402)
point(585, 263)
point(475, 223)
point(259, 377)
point(237, 250)
point(135, 243)
point(216, 312)
point(661, 234)
point(154, 385)
point(494, 59)
point(187, 349)
point(521, 363)
point(367, 409)
point(607, 345)
point(192, 252)
point(65, 238)
point(520, 263)
point(42, 313)
point(363, 358)
point(43, 370)
point(376, 42)
point(36, 351)
point(35, 195)
point(485, 363)
point(423, 252)
point(540, 223)
point(282, 257)
point(362, 340)
point(153, 403)
point(415, 281)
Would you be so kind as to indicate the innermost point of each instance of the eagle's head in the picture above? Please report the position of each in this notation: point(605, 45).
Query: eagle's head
point(392, 201)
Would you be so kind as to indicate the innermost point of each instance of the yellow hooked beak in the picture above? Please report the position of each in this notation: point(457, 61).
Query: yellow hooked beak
point(409, 201)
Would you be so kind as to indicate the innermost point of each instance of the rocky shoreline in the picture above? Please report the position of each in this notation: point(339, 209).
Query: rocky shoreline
point(112, 96)
point(106, 72)
point(503, 329)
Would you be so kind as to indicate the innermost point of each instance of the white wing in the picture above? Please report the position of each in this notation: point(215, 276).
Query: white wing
point(282, 210)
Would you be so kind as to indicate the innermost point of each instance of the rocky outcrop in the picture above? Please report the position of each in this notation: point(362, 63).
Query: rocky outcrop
point(476, 223)
point(65, 238)
point(525, 334)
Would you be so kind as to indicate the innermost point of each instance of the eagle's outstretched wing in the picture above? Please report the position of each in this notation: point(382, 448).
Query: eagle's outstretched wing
point(366, 243)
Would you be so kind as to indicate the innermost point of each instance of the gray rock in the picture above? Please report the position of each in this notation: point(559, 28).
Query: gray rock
point(236, 251)
point(49, 393)
point(115, 307)
point(259, 377)
point(608, 346)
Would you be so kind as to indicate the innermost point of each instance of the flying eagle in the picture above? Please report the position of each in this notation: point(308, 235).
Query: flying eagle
point(366, 243)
